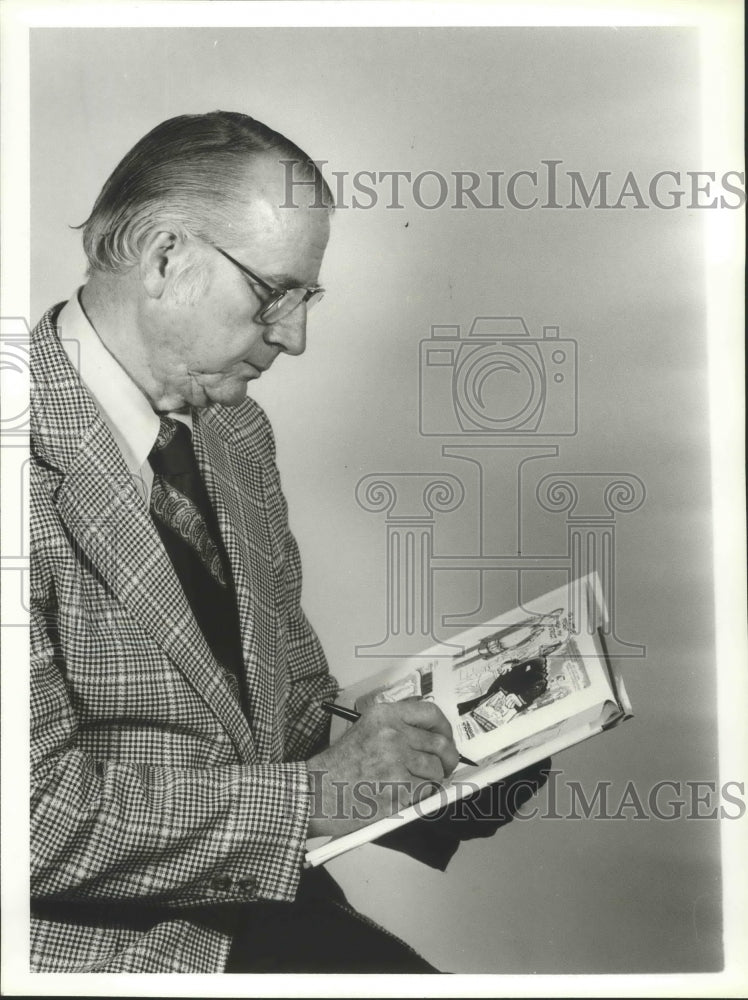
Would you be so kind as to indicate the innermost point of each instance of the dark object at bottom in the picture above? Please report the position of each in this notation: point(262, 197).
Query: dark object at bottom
point(319, 932)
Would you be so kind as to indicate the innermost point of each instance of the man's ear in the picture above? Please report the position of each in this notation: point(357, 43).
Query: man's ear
point(159, 260)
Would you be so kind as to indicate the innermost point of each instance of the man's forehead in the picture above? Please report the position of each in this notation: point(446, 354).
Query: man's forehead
point(261, 212)
point(292, 238)
point(272, 175)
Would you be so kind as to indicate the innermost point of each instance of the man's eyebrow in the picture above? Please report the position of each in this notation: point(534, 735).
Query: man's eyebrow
point(283, 278)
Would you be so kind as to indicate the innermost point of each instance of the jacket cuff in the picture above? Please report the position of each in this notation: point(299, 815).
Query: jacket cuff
point(269, 863)
point(282, 845)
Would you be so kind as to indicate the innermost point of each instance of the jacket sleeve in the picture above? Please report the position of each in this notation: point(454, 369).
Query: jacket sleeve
point(308, 728)
point(110, 830)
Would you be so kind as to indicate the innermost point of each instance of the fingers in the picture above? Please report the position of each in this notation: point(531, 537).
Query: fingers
point(424, 715)
point(419, 727)
point(434, 744)
point(425, 766)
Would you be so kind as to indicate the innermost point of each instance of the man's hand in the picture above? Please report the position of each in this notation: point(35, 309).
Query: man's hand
point(390, 758)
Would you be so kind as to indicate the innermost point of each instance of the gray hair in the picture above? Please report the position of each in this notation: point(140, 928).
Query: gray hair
point(190, 170)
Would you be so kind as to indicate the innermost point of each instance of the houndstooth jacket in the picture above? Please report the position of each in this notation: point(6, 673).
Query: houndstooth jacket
point(151, 792)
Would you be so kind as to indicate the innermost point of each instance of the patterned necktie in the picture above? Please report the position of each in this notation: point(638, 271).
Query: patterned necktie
point(187, 524)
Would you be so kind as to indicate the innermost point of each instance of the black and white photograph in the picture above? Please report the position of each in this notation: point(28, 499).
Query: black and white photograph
point(373, 500)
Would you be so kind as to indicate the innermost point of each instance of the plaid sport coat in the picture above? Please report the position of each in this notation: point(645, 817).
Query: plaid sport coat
point(152, 795)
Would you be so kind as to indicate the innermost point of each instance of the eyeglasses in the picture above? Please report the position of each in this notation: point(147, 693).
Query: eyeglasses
point(283, 301)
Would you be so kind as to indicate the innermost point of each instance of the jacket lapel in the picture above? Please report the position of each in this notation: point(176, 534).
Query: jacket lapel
point(237, 482)
point(107, 518)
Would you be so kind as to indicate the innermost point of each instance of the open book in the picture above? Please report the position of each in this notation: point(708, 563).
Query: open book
point(516, 690)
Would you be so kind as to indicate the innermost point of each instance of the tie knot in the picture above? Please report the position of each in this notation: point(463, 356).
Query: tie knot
point(172, 451)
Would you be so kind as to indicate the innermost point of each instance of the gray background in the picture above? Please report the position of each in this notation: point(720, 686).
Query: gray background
point(543, 895)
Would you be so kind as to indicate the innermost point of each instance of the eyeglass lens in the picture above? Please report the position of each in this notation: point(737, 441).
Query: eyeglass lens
point(289, 301)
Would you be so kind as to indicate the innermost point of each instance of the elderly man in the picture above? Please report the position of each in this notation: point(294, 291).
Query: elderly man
point(179, 752)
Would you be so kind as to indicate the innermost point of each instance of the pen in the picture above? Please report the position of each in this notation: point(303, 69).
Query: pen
point(350, 715)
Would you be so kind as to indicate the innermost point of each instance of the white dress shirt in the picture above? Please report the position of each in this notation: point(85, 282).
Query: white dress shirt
point(124, 407)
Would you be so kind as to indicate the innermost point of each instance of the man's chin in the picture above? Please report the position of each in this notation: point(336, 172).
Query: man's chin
point(231, 394)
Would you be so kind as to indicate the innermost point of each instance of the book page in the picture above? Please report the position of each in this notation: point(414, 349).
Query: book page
point(521, 688)
point(520, 674)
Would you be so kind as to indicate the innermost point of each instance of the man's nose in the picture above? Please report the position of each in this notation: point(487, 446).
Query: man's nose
point(289, 333)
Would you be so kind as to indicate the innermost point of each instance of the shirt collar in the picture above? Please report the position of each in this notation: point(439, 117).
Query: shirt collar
point(124, 407)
